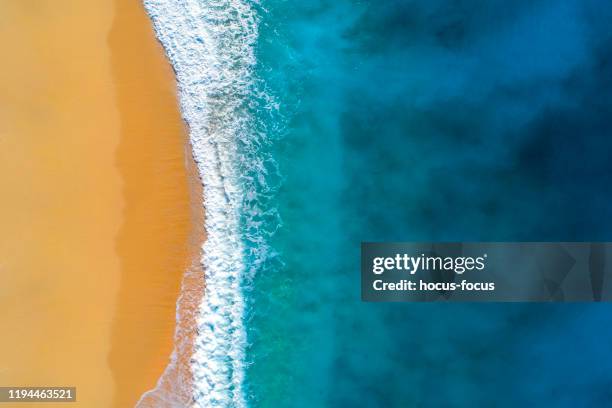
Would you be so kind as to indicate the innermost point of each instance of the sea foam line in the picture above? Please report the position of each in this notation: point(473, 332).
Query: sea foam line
point(210, 44)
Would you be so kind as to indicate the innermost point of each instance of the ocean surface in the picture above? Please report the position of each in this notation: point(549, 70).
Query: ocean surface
point(317, 125)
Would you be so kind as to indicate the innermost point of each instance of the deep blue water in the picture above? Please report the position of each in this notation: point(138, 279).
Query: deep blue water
point(430, 120)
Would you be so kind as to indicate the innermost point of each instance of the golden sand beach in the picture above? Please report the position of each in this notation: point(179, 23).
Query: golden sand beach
point(98, 223)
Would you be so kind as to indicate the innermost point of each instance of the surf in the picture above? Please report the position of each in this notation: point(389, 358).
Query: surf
point(210, 45)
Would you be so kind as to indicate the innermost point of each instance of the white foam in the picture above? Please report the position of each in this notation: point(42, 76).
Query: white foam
point(210, 44)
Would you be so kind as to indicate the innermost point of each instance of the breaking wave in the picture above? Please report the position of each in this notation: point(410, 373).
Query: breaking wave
point(210, 44)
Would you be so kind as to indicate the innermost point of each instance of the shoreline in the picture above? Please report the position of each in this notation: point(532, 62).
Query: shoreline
point(212, 50)
point(178, 217)
point(103, 210)
point(175, 385)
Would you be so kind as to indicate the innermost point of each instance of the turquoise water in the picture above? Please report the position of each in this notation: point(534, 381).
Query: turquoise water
point(438, 120)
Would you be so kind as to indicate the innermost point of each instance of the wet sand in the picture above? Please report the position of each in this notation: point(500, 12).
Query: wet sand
point(96, 211)
point(162, 230)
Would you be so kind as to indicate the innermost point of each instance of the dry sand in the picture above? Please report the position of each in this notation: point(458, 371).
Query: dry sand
point(97, 222)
